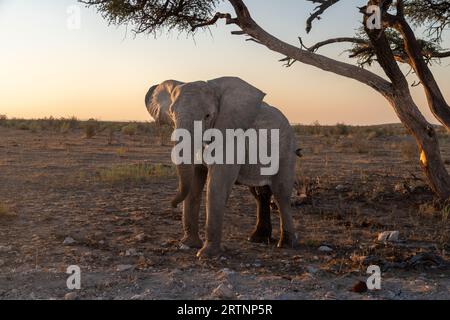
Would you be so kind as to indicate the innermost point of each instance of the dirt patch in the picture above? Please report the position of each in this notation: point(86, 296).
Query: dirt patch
point(125, 235)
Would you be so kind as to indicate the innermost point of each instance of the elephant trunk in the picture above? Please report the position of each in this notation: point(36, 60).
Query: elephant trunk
point(185, 176)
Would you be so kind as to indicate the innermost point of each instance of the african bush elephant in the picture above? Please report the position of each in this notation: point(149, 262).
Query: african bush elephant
point(222, 104)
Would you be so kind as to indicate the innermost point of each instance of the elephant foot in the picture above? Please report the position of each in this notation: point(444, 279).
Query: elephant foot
point(192, 242)
point(209, 251)
point(261, 236)
point(288, 240)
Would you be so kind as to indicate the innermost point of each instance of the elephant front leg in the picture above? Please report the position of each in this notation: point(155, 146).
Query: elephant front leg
point(263, 230)
point(191, 208)
point(221, 179)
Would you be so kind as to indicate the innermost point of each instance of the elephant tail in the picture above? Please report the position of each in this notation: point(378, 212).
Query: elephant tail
point(298, 152)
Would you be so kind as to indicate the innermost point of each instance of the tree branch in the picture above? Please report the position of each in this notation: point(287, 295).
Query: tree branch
point(319, 10)
point(250, 27)
point(435, 98)
point(213, 21)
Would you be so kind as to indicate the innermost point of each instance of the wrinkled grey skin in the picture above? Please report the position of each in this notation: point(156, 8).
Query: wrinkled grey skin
point(226, 103)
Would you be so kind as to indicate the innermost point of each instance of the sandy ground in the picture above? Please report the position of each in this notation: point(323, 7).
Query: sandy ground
point(126, 235)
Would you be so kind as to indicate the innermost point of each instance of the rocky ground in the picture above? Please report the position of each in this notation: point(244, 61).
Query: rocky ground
point(59, 210)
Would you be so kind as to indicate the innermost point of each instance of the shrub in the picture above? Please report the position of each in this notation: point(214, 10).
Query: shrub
point(342, 129)
point(90, 128)
point(130, 129)
point(23, 126)
point(408, 148)
point(65, 127)
point(3, 119)
point(35, 126)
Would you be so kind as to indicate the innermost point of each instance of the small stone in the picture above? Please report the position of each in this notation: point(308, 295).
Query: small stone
point(68, 241)
point(340, 187)
point(71, 296)
point(325, 249)
point(226, 271)
point(224, 291)
point(184, 247)
point(131, 252)
point(124, 267)
point(389, 236)
point(312, 270)
point(5, 249)
point(140, 237)
point(142, 296)
point(330, 296)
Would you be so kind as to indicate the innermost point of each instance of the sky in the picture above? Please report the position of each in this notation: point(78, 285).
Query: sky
point(103, 72)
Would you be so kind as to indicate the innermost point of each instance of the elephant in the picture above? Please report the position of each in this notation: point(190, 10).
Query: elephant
point(226, 103)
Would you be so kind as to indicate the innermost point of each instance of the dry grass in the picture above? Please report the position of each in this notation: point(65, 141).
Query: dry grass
point(122, 152)
point(137, 173)
point(6, 211)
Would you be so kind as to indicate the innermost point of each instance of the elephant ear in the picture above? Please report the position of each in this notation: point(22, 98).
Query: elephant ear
point(239, 103)
point(158, 101)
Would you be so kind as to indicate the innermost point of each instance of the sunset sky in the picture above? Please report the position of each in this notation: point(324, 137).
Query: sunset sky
point(103, 72)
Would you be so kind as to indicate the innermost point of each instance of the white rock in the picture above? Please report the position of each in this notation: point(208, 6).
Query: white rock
point(71, 296)
point(224, 291)
point(130, 252)
point(68, 241)
point(340, 187)
point(311, 270)
point(184, 247)
point(143, 296)
point(330, 296)
point(5, 248)
point(389, 236)
point(140, 237)
point(227, 271)
point(124, 267)
point(325, 249)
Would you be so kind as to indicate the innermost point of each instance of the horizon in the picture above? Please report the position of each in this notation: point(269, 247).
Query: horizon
point(103, 72)
point(151, 121)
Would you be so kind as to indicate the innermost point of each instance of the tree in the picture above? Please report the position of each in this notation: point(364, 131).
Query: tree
point(390, 44)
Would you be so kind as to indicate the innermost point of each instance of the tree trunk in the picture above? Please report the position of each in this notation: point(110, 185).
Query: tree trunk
point(427, 142)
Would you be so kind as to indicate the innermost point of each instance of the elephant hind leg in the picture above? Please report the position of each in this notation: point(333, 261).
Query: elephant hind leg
point(282, 196)
point(263, 229)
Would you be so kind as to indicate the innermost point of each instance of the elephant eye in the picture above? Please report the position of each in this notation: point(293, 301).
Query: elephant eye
point(207, 116)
